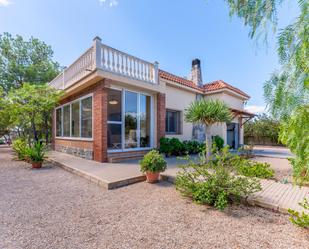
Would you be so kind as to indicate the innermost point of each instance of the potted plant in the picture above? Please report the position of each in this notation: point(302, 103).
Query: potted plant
point(152, 164)
point(36, 155)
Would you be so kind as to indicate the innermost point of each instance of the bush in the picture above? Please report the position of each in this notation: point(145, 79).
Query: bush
point(36, 153)
point(21, 149)
point(175, 147)
point(300, 219)
point(214, 182)
point(153, 162)
point(251, 168)
point(2, 142)
point(218, 142)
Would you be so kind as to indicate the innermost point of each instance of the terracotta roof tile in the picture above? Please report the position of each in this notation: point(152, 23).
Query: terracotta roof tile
point(213, 86)
point(220, 84)
point(177, 79)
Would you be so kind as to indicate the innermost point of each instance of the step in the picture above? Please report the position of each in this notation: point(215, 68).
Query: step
point(121, 158)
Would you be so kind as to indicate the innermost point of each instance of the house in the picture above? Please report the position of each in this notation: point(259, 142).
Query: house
point(116, 105)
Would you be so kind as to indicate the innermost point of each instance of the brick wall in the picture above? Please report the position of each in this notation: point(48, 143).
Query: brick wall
point(161, 112)
point(100, 123)
point(96, 149)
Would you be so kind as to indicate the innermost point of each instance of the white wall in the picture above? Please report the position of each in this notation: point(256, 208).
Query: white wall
point(179, 99)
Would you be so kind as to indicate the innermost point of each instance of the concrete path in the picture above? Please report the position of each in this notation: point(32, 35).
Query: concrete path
point(272, 151)
point(108, 175)
point(274, 195)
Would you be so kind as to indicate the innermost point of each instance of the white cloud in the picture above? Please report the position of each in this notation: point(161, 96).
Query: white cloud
point(257, 109)
point(109, 3)
point(4, 3)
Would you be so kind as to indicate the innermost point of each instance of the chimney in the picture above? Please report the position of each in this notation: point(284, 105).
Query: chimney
point(196, 73)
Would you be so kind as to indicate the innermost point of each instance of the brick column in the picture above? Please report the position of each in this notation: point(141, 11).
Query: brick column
point(161, 112)
point(100, 122)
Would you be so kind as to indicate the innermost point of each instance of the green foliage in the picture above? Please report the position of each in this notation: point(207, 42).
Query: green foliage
point(194, 147)
point(25, 61)
point(175, 147)
point(295, 134)
point(153, 162)
point(208, 113)
point(214, 182)
point(30, 108)
point(36, 153)
point(218, 142)
point(21, 149)
point(300, 218)
point(5, 120)
point(250, 168)
point(261, 129)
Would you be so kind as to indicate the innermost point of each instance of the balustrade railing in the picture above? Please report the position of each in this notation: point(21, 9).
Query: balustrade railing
point(106, 58)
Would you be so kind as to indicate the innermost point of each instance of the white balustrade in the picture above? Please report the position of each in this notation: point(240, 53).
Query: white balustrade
point(106, 58)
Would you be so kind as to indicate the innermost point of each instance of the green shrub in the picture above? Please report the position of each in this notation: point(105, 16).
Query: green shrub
point(2, 142)
point(21, 149)
point(193, 146)
point(165, 146)
point(36, 153)
point(214, 182)
point(252, 168)
point(153, 162)
point(177, 147)
point(218, 142)
point(300, 219)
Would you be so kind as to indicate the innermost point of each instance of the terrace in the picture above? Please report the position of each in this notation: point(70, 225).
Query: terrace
point(108, 60)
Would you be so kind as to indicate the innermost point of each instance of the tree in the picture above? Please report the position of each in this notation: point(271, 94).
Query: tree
point(263, 128)
point(288, 88)
point(5, 120)
point(295, 134)
point(208, 113)
point(30, 108)
point(287, 91)
point(25, 61)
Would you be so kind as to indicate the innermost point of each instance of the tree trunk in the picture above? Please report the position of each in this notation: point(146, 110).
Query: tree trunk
point(208, 142)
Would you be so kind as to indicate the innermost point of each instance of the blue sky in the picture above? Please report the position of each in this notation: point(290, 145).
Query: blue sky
point(171, 32)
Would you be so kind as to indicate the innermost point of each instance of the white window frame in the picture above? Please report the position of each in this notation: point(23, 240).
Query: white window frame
point(80, 119)
point(122, 122)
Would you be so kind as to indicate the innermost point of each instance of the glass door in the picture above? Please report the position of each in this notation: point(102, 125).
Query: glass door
point(129, 120)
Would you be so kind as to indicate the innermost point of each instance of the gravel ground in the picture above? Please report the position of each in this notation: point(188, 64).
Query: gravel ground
point(51, 208)
point(282, 167)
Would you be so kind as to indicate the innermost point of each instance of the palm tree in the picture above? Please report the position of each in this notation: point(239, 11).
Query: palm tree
point(208, 112)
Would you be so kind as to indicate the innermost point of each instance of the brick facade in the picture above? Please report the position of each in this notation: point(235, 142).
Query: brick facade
point(161, 112)
point(100, 123)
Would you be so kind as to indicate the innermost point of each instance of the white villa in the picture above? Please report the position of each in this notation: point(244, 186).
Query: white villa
point(116, 105)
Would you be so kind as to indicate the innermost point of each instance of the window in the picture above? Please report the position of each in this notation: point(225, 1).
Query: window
point(66, 121)
point(128, 120)
point(75, 119)
point(86, 117)
point(114, 119)
point(172, 122)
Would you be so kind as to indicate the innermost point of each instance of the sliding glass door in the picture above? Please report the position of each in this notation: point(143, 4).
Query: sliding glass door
point(129, 120)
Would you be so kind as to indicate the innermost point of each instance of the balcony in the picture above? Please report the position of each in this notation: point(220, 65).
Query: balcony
point(108, 59)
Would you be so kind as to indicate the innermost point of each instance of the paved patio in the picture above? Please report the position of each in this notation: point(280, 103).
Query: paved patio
point(274, 195)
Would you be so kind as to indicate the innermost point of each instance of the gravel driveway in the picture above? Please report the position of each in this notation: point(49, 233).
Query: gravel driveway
point(51, 208)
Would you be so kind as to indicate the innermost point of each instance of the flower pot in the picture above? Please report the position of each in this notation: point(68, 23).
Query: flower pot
point(152, 177)
point(36, 165)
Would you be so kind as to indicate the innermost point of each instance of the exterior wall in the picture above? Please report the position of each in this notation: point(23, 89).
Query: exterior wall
point(82, 149)
point(231, 101)
point(95, 148)
point(179, 99)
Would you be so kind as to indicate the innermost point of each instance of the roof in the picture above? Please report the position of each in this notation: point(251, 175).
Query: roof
point(208, 87)
point(220, 84)
point(179, 80)
point(243, 112)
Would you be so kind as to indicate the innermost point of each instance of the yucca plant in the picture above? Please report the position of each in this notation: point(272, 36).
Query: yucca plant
point(208, 113)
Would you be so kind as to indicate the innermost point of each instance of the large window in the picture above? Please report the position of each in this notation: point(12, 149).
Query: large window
point(172, 122)
point(75, 119)
point(128, 120)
